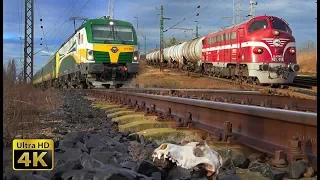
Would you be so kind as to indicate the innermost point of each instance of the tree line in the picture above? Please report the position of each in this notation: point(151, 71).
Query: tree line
point(10, 72)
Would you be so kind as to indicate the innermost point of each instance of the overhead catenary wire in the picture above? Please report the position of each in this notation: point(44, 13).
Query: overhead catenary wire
point(72, 2)
point(60, 27)
point(39, 14)
point(75, 14)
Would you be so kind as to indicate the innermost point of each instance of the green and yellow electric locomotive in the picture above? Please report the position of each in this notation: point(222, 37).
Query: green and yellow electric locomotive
point(102, 52)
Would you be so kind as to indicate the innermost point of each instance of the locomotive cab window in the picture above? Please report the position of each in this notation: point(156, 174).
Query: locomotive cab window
point(233, 35)
point(257, 25)
point(279, 25)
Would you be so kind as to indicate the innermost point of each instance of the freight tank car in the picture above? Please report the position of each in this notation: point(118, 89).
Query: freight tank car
point(260, 51)
point(102, 52)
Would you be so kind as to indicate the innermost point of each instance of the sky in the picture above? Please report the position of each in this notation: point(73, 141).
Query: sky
point(213, 15)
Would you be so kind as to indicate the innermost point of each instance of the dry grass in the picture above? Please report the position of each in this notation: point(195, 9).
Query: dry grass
point(161, 135)
point(22, 105)
point(307, 62)
point(150, 76)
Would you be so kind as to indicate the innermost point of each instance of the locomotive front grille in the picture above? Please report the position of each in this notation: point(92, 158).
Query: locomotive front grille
point(101, 56)
point(125, 57)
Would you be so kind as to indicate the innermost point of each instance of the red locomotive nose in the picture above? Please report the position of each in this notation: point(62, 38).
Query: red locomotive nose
point(278, 51)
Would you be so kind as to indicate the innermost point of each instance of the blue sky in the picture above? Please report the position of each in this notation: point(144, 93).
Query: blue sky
point(300, 14)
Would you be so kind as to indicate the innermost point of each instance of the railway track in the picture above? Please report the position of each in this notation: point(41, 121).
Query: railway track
point(254, 98)
point(282, 89)
point(305, 80)
point(268, 130)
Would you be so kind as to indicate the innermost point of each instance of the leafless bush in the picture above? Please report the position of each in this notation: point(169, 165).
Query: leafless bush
point(22, 105)
point(306, 57)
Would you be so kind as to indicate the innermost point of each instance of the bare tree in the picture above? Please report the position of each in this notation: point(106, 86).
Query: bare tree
point(10, 72)
point(308, 46)
point(172, 41)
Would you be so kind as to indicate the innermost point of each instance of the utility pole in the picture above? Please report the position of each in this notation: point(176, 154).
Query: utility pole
point(161, 33)
point(253, 3)
point(138, 32)
point(28, 41)
point(197, 29)
point(145, 44)
point(236, 12)
point(111, 9)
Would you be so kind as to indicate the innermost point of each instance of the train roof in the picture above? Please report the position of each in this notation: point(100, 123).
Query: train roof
point(243, 22)
point(102, 20)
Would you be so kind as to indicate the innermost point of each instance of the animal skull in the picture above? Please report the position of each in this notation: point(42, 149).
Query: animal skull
point(191, 155)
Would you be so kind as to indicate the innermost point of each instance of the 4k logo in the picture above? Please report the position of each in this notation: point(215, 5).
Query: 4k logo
point(33, 154)
point(114, 49)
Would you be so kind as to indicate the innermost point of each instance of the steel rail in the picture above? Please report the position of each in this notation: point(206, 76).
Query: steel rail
point(305, 80)
point(306, 94)
point(264, 129)
point(233, 96)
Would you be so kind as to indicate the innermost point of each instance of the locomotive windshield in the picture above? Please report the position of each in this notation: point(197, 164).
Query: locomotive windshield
point(258, 24)
point(279, 25)
point(111, 33)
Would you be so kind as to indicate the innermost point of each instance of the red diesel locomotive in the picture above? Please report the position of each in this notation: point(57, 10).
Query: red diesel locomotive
point(260, 51)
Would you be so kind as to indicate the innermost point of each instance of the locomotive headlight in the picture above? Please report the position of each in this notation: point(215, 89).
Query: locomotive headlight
point(135, 57)
point(276, 33)
point(90, 55)
point(111, 23)
point(292, 50)
point(258, 50)
point(264, 67)
point(295, 67)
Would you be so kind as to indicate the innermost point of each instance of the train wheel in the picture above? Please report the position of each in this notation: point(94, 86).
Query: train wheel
point(256, 81)
point(233, 78)
point(83, 86)
point(107, 86)
point(245, 80)
point(274, 85)
point(119, 85)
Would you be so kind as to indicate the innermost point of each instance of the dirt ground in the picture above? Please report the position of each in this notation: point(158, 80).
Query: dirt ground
point(152, 77)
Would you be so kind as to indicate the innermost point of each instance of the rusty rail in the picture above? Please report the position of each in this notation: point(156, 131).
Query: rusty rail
point(238, 97)
point(265, 129)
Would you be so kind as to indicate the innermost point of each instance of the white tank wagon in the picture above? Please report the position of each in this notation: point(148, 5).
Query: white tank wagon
point(170, 52)
point(192, 50)
point(151, 58)
point(154, 57)
point(177, 53)
point(148, 57)
point(166, 55)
